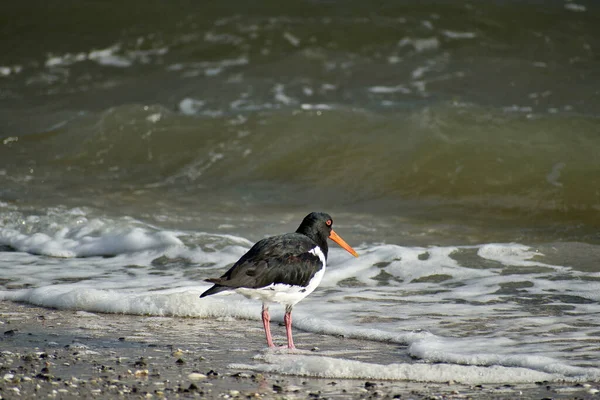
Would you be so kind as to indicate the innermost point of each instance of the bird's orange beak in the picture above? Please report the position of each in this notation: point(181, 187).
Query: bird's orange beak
point(334, 236)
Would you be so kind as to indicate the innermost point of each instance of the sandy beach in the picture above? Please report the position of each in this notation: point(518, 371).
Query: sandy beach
point(74, 354)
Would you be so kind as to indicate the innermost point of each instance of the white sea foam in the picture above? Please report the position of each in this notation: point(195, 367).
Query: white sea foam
point(459, 35)
point(337, 368)
point(389, 89)
point(309, 107)
point(477, 352)
point(293, 40)
point(64, 244)
point(489, 313)
point(554, 174)
point(183, 302)
point(113, 56)
point(421, 44)
point(207, 68)
point(85, 238)
point(190, 106)
point(509, 254)
point(7, 70)
point(575, 7)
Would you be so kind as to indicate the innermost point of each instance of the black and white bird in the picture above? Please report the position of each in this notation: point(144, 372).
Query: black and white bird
point(283, 269)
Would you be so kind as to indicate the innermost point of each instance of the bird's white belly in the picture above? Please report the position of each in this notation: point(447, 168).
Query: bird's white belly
point(287, 294)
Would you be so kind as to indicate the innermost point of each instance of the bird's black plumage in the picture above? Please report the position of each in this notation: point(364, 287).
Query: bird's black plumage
point(285, 259)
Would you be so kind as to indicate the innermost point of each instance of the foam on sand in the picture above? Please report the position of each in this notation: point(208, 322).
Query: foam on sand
point(338, 368)
point(182, 302)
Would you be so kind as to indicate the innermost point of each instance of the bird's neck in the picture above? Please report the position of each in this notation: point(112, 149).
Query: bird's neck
point(316, 237)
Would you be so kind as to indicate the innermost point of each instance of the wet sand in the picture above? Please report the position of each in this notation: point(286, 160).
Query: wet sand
point(70, 354)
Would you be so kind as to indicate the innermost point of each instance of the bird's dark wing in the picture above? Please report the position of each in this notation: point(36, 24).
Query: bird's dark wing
point(276, 246)
point(281, 259)
point(289, 269)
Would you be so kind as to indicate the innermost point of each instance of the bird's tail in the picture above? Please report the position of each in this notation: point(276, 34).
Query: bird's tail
point(214, 290)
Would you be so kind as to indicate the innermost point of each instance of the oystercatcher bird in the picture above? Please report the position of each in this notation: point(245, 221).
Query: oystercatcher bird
point(283, 269)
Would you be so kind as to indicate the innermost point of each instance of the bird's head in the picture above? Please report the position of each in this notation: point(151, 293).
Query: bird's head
point(319, 227)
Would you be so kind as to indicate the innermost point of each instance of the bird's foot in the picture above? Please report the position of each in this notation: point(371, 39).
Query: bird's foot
point(285, 346)
point(282, 347)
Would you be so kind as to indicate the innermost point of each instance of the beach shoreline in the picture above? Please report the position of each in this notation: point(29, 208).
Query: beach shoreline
point(67, 354)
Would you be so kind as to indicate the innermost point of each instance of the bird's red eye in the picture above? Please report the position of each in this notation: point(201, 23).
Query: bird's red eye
point(329, 222)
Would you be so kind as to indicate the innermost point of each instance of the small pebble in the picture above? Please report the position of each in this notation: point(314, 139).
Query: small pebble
point(140, 363)
point(177, 353)
point(195, 376)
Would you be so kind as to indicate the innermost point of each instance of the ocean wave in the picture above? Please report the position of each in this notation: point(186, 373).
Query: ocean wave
point(444, 155)
point(72, 234)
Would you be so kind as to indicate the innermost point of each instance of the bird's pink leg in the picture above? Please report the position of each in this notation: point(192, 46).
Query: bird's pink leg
point(288, 327)
point(266, 319)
